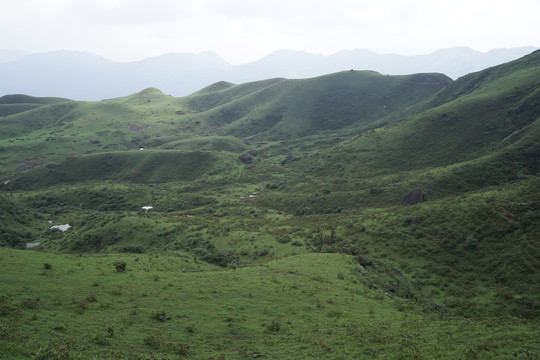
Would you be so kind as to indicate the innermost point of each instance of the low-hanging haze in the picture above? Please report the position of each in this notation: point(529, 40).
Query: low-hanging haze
point(245, 30)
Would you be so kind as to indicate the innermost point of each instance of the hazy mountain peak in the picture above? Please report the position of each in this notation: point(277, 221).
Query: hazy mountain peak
point(67, 57)
point(7, 55)
point(455, 49)
point(208, 56)
point(86, 76)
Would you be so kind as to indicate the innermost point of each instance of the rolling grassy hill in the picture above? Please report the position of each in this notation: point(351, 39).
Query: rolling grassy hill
point(245, 182)
point(13, 104)
point(262, 111)
point(292, 108)
point(142, 167)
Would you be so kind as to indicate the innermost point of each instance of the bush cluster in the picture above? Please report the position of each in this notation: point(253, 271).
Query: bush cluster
point(206, 251)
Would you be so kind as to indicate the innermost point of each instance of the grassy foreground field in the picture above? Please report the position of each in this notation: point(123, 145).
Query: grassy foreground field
point(306, 306)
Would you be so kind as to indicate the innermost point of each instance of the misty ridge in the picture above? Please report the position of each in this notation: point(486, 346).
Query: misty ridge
point(86, 76)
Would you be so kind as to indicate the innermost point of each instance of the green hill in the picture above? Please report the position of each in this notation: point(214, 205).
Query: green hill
point(263, 217)
point(262, 111)
point(13, 104)
point(25, 99)
point(281, 109)
point(139, 167)
point(496, 125)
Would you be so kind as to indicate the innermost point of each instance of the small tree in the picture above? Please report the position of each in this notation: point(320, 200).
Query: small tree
point(97, 241)
point(321, 240)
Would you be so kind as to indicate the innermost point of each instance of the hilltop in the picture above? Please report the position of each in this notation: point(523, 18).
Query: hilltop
point(400, 213)
point(13, 104)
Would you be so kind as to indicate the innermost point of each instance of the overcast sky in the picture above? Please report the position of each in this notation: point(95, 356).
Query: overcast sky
point(245, 30)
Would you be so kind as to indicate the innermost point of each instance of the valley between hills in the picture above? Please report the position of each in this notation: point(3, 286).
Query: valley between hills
point(353, 215)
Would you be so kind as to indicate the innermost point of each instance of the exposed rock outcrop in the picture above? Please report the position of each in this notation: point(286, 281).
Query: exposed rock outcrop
point(415, 196)
point(247, 158)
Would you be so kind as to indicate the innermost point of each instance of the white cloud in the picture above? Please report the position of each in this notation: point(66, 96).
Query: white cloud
point(245, 30)
point(371, 13)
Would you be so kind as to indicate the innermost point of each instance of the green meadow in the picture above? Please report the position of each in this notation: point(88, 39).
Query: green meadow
point(303, 306)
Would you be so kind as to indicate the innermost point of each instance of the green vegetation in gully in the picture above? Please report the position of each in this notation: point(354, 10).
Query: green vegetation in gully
point(276, 227)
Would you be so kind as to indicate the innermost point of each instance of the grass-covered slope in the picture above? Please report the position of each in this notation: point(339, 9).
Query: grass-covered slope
point(438, 243)
point(494, 79)
point(13, 104)
point(291, 108)
point(166, 307)
point(143, 166)
point(25, 99)
point(265, 110)
point(478, 251)
point(492, 131)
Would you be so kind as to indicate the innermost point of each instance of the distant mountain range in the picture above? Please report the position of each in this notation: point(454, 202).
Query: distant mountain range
point(86, 76)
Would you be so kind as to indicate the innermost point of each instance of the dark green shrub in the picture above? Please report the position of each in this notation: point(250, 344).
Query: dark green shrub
point(471, 242)
point(47, 266)
point(201, 252)
point(134, 249)
point(154, 340)
point(110, 330)
point(283, 239)
point(116, 292)
point(526, 354)
point(190, 328)
point(273, 327)
point(54, 350)
point(364, 261)
point(179, 347)
point(160, 315)
point(101, 339)
point(262, 252)
point(81, 306)
point(30, 303)
point(120, 266)
point(6, 306)
point(221, 257)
